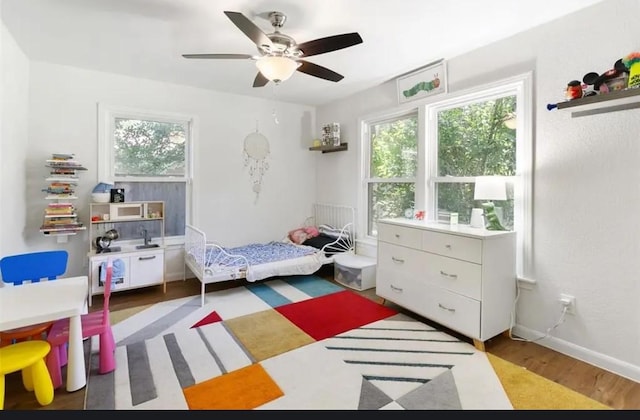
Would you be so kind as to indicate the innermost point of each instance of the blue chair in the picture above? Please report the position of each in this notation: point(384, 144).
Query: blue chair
point(33, 266)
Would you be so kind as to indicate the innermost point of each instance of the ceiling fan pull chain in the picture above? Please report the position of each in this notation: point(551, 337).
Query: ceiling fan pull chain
point(273, 112)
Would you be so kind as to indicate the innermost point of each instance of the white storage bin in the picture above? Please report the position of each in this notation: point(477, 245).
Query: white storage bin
point(354, 271)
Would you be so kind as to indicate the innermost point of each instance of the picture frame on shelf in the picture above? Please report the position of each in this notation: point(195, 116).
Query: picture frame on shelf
point(426, 81)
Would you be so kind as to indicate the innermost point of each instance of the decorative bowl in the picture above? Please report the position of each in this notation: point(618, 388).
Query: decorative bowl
point(100, 197)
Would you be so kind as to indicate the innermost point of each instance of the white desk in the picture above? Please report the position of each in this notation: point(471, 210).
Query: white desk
point(44, 301)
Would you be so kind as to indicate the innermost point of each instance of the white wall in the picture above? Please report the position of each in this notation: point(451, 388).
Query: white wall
point(586, 181)
point(14, 89)
point(63, 118)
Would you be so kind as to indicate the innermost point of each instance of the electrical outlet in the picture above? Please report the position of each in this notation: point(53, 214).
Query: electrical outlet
point(569, 302)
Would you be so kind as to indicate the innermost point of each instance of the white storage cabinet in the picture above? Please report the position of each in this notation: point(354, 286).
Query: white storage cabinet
point(354, 271)
point(461, 277)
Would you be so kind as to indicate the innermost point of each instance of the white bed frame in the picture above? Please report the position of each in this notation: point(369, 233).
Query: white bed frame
point(226, 266)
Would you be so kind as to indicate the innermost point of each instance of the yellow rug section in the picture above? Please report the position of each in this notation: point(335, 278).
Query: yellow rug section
point(121, 315)
point(266, 334)
point(528, 391)
point(242, 389)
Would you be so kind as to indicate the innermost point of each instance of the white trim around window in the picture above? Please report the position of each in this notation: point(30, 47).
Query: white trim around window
point(106, 120)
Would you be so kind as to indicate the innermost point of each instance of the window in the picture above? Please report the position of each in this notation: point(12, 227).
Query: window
point(470, 139)
point(147, 154)
point(428, 158)
point(391, 170)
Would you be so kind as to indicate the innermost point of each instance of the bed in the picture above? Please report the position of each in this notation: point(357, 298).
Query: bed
point(330, 230)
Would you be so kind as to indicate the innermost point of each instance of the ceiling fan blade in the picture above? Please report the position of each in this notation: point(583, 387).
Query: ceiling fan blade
point(328, 44)
point(232, 56)
point(260, 80)
point(249, 29)
point(319, 71)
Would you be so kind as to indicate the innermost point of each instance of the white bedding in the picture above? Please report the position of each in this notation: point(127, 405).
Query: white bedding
point(301, 265)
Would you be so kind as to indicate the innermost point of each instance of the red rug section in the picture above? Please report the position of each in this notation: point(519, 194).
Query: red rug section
point(209, 319)
point(335, 313)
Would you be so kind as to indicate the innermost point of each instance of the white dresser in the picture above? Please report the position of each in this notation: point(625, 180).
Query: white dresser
point(461, 277)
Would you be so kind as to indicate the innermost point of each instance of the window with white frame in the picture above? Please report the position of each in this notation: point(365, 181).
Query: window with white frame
point(483, 131)
point(148, 154)
point(390, 175)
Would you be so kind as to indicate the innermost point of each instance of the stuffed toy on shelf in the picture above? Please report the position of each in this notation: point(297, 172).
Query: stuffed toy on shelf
point(632, 62)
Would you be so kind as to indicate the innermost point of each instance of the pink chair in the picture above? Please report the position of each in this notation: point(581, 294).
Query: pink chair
point(93, 323)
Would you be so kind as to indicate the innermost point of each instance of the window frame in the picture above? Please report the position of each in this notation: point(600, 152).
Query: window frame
point(519, 85)
point(107, 115)
point(365, 168)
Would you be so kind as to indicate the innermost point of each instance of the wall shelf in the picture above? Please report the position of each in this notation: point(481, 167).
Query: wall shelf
point(60, 218)
point(618, 100)
point(329, 149)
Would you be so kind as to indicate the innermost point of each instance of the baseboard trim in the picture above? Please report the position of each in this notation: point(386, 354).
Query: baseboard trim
point(600, 360)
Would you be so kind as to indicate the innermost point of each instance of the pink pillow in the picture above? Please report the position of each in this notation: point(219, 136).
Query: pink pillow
point(311, 231)
point(298, 236)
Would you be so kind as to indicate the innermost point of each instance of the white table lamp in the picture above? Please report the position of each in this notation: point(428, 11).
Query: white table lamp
point(489, 188)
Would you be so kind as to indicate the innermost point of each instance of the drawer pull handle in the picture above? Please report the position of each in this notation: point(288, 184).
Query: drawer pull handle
point(396, 289)
point(445, 308)
point(397, 260)
point(397, 236)
point(146, 258)
point(448, 246)
point(451, 276)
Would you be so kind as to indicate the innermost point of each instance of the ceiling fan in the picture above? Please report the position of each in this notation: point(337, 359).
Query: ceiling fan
point(279, 56)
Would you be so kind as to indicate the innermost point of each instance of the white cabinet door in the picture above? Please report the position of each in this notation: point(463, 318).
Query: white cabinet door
point(120, 282)
point(146, 268)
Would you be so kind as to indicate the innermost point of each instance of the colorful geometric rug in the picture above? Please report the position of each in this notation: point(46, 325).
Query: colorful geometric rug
point(299, 342)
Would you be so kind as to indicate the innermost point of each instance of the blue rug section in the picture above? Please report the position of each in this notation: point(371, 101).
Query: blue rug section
point(270, 296)
point(313, 286)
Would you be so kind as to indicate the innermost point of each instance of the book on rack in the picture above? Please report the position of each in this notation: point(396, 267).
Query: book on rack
point(59, 212)
point(67, 178)
point(63, 156)
point(64, 161)
point(68, 164)
point(59, 190)
point(61, 220)
point(66, 227)
point(60, 197)
point(53, 205)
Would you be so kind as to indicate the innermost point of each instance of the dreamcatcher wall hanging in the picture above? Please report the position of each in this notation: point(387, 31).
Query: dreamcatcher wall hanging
point(256, 152)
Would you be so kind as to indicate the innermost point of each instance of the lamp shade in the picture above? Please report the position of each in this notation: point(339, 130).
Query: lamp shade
point(276, 69)
point(490, 188)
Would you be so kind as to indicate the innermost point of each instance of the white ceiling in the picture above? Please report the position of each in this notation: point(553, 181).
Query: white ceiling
point(145, 38)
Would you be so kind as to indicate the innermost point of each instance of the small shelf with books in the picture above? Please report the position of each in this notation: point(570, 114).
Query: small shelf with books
point(60, 216)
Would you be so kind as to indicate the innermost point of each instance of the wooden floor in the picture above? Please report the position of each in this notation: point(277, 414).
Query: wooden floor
point(608, 388)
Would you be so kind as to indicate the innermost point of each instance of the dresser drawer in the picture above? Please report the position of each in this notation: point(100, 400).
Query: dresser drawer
point(452, 310)
point(399, 235)
point(401, 288)
point(457, 276)
point(454, 246)
point(398, 259)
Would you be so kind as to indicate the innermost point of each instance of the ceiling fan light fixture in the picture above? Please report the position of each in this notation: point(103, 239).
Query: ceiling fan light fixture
point(276, 68)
